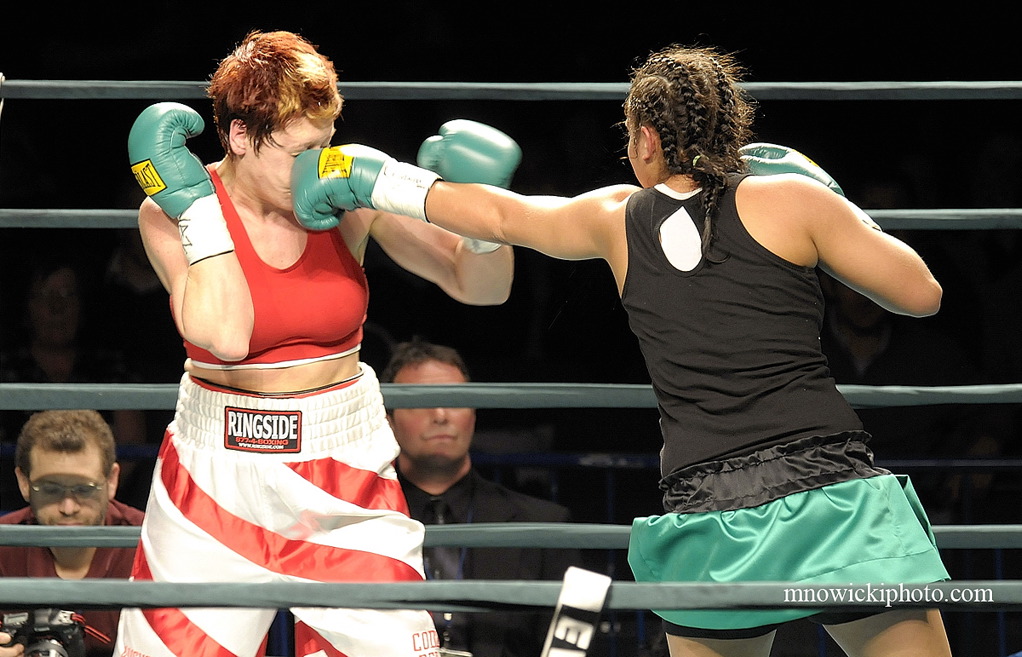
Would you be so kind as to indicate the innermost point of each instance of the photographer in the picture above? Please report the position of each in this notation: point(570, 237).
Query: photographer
point(67, 472)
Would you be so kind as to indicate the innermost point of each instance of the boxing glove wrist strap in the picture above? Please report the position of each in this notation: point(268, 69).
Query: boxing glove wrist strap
point(401, 188)
point(479, 247)
point(204, 232)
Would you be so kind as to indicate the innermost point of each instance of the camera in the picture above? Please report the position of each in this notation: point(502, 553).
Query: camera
point(46, 632)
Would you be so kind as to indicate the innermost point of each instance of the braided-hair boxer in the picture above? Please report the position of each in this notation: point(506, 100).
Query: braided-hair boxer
point(766, 470)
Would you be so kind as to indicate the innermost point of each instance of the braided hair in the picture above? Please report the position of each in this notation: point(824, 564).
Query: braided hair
point(692, 98)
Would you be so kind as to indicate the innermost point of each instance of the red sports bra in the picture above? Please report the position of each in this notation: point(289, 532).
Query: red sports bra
point(313, 310)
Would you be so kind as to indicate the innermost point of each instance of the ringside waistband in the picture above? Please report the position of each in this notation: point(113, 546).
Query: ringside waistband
point(312, 422)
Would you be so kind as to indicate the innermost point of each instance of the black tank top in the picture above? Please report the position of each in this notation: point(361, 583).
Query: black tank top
point(731, 342)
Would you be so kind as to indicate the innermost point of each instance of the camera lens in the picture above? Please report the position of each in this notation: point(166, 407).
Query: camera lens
point(45, 648)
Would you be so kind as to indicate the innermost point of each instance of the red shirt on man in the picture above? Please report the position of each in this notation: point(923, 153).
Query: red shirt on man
point(112, 563)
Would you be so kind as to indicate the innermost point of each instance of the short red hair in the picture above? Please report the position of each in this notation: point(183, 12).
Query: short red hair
point(271, 79)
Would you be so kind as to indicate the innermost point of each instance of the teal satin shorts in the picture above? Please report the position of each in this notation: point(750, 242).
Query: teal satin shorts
point(869, 530)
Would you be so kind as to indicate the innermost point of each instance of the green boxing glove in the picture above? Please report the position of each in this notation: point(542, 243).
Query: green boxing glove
point(176, 180)
point(470, 152)
point(466, 151)
point(326, 182)
point(768, 159)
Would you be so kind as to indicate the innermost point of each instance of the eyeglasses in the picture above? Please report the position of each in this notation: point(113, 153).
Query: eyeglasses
point(49, 491)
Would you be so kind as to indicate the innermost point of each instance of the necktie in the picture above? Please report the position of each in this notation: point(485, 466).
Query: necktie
point(440, 510)
point(443, 560)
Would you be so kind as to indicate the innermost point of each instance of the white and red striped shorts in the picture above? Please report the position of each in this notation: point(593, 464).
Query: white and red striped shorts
point(250, 488)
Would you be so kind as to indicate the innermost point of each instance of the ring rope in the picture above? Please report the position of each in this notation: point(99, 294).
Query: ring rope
point(888, 219)
point(522, 91)
point(497, 534)
point(489, 595)
point(163, 396)
point(623, 461)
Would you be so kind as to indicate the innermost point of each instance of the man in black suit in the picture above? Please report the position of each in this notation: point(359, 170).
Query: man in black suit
point(436, 473)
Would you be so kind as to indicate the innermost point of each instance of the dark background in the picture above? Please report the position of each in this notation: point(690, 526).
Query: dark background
point(563, 322)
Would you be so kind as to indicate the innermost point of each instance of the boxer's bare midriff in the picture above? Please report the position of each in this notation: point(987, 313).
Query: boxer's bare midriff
point(296, 378)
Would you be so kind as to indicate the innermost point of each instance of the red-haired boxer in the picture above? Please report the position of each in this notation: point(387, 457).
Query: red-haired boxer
point(278, 464)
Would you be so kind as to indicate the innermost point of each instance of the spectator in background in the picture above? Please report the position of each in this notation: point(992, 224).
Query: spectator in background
point(68, 474)
point(869, 346)
point(441, 486)
point(133, 303)
point(138, 324)
point(54, 347)
point(866, 345)
point(137, 318)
